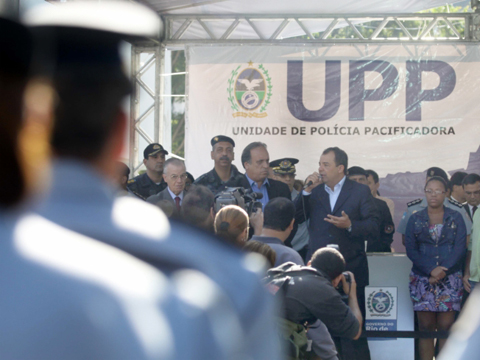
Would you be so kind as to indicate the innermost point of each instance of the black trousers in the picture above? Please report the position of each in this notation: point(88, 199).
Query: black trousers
point(355, 349)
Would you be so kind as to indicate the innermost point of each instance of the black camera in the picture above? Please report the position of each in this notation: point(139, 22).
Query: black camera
point(246, 199)
point(348, 279)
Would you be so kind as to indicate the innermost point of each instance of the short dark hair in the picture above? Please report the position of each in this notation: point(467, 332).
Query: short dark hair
point(357, 170)
point(247, 155)
point(439, 179)
point(329, 261)
point(17, 47)
point(373, 174)
point(456, 179)
point(87, 111)
point(278, 214)
point(341, 157)
point(470, 179)
point(196, 205)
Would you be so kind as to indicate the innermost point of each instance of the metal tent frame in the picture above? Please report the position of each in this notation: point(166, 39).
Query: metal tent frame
point(463, 28)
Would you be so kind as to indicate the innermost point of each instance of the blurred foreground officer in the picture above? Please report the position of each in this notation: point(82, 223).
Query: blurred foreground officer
point(151, 182)
point(284, 171)
point(464, 340)
point(91, 87)
point(59, 300)
point(223, 174)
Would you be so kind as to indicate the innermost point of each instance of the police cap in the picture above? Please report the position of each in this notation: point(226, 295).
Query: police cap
point(435, 171)
point(220, 138)
point(87, 35)
point(284, 166)
point(153, 149)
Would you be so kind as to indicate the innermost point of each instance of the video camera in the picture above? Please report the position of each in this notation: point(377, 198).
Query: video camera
point(246, 199)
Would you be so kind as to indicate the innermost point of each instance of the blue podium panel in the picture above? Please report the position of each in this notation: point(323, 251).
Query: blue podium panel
point(388, 305)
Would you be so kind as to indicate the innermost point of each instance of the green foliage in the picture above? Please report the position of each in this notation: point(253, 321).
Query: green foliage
point(178, 115)
point(393, 31)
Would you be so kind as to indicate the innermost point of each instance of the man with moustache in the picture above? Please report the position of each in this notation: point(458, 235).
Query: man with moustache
point(224, 174)
point(341, 212)
point(151, 182)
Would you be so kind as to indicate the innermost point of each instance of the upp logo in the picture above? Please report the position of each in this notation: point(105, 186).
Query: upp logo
point(249, 91)
point(358, 94)
point(380, 302)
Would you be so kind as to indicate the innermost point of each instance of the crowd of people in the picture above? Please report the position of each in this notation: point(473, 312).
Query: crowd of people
point(163, 266)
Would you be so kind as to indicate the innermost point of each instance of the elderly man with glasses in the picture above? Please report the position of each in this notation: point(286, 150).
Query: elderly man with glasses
point(170, 199)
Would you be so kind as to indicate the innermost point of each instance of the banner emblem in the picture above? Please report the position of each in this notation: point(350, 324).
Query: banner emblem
point(249, 90)
point(380, 302)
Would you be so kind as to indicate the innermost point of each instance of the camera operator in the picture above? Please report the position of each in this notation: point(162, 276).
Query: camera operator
point(314, 296)
point(278, 220)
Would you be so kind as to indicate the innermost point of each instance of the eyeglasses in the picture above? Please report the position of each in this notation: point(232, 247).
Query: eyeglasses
point(176, 177)
point(436, 192)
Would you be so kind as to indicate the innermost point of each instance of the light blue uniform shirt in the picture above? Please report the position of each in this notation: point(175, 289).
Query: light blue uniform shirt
point(66, 296)
point(262, 189)
point(81, 200)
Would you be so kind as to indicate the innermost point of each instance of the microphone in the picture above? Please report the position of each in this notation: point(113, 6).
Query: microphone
point(258, 195)
point(253, 194)
point(308, 184)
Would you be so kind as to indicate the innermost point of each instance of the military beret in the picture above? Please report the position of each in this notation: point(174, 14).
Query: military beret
point(284, 166)
point(153, 149)
point(220, 138)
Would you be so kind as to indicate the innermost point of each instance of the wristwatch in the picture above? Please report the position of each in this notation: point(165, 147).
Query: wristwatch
point(349, 229)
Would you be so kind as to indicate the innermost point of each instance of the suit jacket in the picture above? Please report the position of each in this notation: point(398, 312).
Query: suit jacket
point(275, 188)
point(165, 202)
point(357, 202)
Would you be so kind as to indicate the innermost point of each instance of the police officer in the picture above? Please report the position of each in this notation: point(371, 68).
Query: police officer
point(223, 174)
point(381, 242)
point(150, 182)
point(89, 72)
point(420, 204)
point(284, 170)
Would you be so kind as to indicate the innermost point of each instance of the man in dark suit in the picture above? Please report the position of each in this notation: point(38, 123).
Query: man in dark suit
point(256, 161)
point(170, 199)
point(342, 212)
point(471, 185)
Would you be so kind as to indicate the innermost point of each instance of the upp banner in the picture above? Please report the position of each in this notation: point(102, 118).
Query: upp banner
point(392, 108)
point(396, 109)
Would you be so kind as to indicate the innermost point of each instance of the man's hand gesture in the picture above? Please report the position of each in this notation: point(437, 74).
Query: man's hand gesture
point(342, 222)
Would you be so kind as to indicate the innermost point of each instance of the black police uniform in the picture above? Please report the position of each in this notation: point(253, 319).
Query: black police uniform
point(387, 228)
point(142, 185)
point(213, 182)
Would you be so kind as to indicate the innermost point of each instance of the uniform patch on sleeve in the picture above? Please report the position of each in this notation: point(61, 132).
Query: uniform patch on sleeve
point(414, 202)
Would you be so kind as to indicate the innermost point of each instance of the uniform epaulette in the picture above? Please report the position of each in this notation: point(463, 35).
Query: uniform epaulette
point(455, 202)
point(131, 181)
point(414, 202)
point(138, 195)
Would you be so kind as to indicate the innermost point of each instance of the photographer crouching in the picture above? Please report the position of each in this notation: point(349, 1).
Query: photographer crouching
point(309, 293)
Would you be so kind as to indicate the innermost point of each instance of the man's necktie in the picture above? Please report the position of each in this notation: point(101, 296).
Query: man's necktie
point(177, 203)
